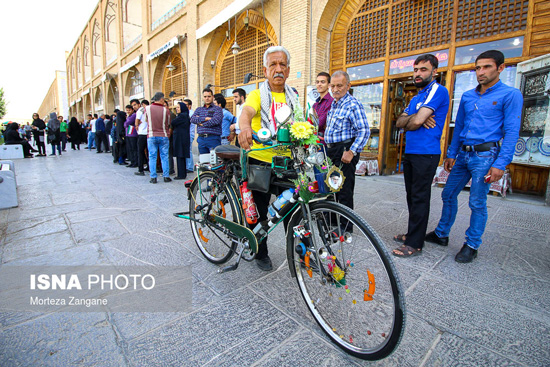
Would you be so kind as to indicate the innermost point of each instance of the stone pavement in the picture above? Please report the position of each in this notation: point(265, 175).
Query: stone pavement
point(81, 209)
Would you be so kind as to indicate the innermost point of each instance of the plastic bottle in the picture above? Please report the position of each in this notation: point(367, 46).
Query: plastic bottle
point(280, 202)
point(249, 206)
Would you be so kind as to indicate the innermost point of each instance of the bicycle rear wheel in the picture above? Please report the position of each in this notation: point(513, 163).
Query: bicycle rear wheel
point(207, 193)
point(351, 288)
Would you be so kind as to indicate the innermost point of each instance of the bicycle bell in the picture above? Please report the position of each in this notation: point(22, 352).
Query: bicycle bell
point(264, 135)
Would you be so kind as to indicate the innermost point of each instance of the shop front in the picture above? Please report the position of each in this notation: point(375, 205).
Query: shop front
point(531, 162)
point(379, 49)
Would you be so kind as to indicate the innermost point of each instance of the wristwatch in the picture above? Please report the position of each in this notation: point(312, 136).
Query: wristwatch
point(354, 153)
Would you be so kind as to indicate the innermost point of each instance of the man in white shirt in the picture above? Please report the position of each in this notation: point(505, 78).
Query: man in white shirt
point(189, 162)
point(91, 134)
point(141, 123)
point(239, 96)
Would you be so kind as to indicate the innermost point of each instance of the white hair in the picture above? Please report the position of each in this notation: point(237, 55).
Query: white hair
point(273, 49)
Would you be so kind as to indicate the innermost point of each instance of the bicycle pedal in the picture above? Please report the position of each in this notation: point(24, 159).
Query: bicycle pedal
point(228, 268)
point(181, 213)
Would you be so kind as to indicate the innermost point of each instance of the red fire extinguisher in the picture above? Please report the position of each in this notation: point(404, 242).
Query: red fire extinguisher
point(249, 206)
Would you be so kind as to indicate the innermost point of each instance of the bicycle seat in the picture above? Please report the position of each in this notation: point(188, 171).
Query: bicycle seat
point(230, 152)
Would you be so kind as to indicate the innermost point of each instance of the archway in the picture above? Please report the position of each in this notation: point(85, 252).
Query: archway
point(112, 101)
point(110, 32)
point(96, 47)
point(231, 69)
point(133, 87)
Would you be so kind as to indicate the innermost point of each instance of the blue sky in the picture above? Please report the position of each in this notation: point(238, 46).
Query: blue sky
point(35, 36)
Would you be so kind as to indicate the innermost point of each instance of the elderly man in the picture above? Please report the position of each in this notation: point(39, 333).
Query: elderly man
point(259, 111)
point(346, 134)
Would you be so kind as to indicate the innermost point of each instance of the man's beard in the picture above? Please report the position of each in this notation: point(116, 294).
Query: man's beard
point(423, 83)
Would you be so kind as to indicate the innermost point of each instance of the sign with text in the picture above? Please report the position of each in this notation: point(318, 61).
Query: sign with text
point(405, 64)
point(95, 289)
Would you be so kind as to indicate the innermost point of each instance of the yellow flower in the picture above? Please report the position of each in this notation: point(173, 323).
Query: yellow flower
point(301, 130)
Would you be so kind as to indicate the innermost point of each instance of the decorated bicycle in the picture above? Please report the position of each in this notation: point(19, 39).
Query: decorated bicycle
point(341, 266)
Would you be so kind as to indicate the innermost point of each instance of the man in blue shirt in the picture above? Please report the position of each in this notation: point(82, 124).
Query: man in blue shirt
point(486, 114)
point(209, 123)
point(423, 121)
point(346, 134)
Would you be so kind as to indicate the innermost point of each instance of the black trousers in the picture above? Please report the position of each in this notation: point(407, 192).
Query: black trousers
point(182, 167)
point(141, 147)
point(419, 171)
point(132, 149)
point(40, 144)
point(345, 195)
point(101, 137)
point(63, 140)
point(262, 200)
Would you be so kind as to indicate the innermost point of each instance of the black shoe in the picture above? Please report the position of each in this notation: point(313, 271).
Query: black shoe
point(466, 254)
point(179, 178)
point(139, 173)
point(153, 180)
point(52, 154)
point(99, 151)
point(172, 172)
point(131, 166)
point(264, 264)
point(167, 179)
point(434, 238)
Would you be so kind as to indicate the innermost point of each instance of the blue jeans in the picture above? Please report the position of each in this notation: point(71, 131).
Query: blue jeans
point(91, 140)
point(208, 143)
point(162, 144)
point(474, 165)
point(189, 161)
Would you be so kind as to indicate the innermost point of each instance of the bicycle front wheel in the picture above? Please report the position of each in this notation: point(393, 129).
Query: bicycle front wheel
point(350, 285)
point(209, 196)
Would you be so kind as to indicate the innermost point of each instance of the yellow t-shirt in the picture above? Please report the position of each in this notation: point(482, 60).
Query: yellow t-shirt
point(254, 100)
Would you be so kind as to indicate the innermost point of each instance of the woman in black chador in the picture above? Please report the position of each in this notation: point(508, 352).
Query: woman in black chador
point(74, 133)
point(180, 136)
point(38, 128)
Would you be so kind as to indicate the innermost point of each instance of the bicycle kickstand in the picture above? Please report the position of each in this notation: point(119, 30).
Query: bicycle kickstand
point(234, 266)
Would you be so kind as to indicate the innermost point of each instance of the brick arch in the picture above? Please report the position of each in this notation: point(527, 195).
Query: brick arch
point(340, 32)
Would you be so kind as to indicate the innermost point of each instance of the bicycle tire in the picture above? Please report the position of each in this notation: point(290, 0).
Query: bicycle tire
point(368, 329)
point(212, 242)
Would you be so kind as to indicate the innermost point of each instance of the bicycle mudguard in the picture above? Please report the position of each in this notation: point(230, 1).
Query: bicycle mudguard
point(239, 231)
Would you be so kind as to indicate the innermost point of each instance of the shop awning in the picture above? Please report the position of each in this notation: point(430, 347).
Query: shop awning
point(129, 65)
point(234, 8)
point(168, 45)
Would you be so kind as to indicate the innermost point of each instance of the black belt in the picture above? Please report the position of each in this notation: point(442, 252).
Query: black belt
point(206, 135)
point(332, 145)
point(224, 137)
point(480, 147)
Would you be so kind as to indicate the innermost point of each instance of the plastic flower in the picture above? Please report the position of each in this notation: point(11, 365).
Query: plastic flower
point(301, 130)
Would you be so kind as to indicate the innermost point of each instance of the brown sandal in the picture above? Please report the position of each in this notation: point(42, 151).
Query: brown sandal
point(401, 238)
point(406, 251)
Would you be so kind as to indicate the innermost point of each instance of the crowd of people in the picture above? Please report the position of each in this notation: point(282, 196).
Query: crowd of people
point(148, 136)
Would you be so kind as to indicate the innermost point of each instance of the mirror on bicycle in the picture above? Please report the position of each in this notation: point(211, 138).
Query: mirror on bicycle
point(283, 114)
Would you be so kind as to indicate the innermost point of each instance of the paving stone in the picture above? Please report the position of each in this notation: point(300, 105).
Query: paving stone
point(247, 353)
point(98, 230)
point(196, 338)
point(25, 213)
point(302, 349)
point(88, 254)
point(35, 227)
point(450, 349)
point(513, 332)
point(96, 214)
point(62, 339)
point(61, 197)
point(36, 246)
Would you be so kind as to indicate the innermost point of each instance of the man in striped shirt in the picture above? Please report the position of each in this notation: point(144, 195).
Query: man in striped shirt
point(346, 134)
point(423, 121)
